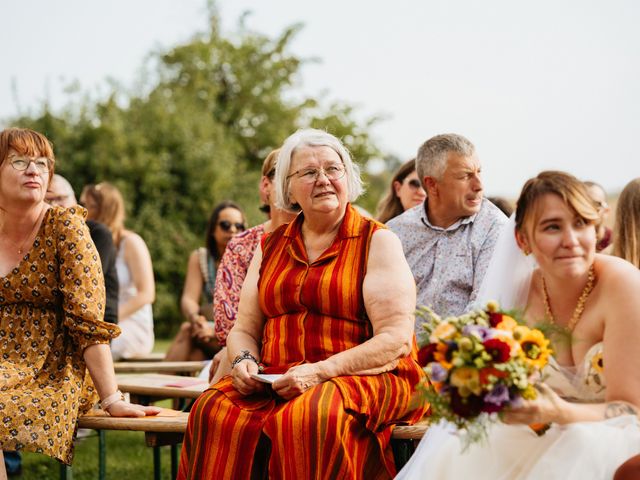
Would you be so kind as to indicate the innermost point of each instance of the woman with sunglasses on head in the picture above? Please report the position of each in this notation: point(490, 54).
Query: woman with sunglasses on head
point(51, 309)
point(328, 303)
point(137, 290)
point(405, 192)
point(195, 339)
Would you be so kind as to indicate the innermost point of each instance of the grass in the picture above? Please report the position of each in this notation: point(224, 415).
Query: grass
point(128, 457)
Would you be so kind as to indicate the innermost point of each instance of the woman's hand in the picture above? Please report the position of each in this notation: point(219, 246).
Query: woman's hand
point(120, 408)
point(241, 378)
point(200, 328)
point(298, 380)
point(546, 408)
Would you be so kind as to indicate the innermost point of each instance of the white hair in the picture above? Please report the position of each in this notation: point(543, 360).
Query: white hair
point(311, 137)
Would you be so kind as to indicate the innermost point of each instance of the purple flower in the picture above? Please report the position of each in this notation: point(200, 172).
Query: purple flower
point(498, 396)
point(477, 331)
point(438, 372)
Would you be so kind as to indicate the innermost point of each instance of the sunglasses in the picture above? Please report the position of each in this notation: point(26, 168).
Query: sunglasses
point(226, 226)
point(415, 183)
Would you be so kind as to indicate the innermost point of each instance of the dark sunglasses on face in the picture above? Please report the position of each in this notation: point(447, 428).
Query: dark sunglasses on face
point(226, 226)
point(415, 183)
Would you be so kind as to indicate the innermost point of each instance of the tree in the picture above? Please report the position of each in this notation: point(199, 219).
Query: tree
point(195, 133)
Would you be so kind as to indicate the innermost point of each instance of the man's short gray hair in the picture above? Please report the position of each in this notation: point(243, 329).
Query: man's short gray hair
point(311, 137)
point(432, 157)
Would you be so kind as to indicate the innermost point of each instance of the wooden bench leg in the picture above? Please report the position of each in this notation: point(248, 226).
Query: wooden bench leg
point(402, 451)
point(157, 466)
point(65, 472)
point(175, 459)
point(102, 455)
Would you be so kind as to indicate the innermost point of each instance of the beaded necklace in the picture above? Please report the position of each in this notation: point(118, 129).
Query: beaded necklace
point(577, 313)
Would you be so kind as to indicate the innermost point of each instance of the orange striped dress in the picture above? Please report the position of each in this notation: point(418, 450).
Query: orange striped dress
point(338, 429)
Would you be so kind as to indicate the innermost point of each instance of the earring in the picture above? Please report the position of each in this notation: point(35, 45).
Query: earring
point(526, 251)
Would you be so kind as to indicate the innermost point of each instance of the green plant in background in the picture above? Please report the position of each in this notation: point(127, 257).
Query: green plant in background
point(193, 132)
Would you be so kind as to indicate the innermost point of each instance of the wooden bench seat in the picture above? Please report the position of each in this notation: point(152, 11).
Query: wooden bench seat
point(169, 428)
point(149, 357)
point(183, 368)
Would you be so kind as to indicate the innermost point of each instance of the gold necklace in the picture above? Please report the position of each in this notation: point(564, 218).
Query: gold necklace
point(577, 313)
point(20, 246)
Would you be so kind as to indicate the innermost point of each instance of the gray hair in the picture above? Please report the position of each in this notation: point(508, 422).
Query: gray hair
point(311, 137)
point(432, 157)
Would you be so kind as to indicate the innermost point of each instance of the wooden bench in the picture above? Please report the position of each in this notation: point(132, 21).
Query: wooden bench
point(149, 357)
point(183, 368)
point(165, 429)
point(170, 426)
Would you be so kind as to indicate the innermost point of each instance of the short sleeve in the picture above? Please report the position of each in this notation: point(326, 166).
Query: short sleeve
point(81, 280)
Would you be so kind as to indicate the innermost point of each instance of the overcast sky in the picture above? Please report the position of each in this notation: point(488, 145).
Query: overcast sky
point(535, 85)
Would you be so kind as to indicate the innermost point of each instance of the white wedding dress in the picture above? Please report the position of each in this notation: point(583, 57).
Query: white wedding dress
point(577, 451)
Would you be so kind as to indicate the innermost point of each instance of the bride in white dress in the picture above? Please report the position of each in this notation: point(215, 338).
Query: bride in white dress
point(592, 394)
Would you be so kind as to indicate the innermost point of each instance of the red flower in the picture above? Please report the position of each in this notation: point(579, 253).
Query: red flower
point(485, 372)
point(494, 319)
point(489, 407)
point(499, 350)
point(425, 354)
point(466, 407)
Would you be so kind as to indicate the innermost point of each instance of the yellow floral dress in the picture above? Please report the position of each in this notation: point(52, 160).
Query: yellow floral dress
point(51, 309)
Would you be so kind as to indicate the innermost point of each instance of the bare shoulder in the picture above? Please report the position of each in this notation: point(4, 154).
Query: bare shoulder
point(616, 275)
point(133, 242)
point(384, 240)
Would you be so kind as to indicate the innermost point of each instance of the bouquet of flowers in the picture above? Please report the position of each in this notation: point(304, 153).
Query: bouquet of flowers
point(477, 365)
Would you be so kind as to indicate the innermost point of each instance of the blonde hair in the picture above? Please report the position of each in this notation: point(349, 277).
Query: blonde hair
point(110, 205)
point(627, 225)
point(572, 191)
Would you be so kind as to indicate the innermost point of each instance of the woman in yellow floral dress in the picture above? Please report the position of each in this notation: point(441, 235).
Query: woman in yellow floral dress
point(51, 310)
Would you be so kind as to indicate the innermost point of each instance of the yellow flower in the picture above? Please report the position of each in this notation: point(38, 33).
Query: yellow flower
point(466, 378)
point(529, 393)
point(597, 362)
point(444, 331)
point(440, 355)
point(492, 306)
point(507, 323)
point(535, 348)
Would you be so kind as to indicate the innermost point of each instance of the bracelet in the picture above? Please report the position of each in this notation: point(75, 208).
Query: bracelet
point(246, 355)
point(111, 399)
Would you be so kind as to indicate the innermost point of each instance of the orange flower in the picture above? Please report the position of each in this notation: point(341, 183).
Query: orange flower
point(507, 323)
point(440, 355)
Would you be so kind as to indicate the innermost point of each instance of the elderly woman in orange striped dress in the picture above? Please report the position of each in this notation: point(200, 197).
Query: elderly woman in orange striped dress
point(328, 302)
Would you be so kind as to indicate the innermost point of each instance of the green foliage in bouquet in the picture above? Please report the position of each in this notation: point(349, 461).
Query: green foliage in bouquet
point(477, 365)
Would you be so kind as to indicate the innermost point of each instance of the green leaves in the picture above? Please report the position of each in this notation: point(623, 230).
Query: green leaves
point(203, 117)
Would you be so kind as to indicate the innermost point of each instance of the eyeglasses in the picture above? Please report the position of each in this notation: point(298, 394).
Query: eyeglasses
point(310, 175)
point(415, 184)
point(226, 226)
point(21, 164)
